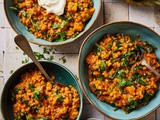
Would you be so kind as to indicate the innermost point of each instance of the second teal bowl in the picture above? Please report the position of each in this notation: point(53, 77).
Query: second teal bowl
point(19, 28)
point(62, 74)
point(127, 28)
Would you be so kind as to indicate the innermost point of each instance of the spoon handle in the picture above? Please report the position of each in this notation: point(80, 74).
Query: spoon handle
point(22, 43)
point(143, 62)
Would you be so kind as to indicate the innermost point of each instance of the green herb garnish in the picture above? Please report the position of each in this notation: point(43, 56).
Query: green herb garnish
point(13, 8)
point(124, 83)
point(94, 86)
point(61, 36)
point(11, 71)
point(121, 74)
point(25, 61)
point(37, 95)
point(102, 66)
point(24, 14)
point(63, 59)
point(31, 87)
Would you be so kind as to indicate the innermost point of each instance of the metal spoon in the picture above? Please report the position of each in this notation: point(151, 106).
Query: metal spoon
point(143, 62)
point(22, 43)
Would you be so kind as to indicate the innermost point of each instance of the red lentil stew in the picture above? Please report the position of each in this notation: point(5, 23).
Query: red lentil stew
point(51, 27)
point(116, 75)
point(35, 98)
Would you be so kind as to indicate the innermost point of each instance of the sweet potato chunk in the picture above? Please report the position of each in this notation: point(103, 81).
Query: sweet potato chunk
point(72, 7)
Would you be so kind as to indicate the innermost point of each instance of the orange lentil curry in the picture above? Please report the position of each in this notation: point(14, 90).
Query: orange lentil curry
point(35, 98)
point(116, 75)
point(51, 27)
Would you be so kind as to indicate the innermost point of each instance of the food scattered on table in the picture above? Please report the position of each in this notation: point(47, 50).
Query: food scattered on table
point(49, 26)
point(36, 98)
point(116, 75)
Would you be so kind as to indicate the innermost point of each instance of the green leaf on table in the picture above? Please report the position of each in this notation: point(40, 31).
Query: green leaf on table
point(11, 71)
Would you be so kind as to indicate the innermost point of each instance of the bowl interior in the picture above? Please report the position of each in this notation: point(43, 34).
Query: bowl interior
point(62, 74)
point(20, 28)
point(127, 28)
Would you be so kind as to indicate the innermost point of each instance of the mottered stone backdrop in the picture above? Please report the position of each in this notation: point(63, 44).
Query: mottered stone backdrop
point(12, 58)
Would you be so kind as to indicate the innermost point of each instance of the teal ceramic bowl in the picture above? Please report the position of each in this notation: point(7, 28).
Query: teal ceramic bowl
point(19, 28)
point(128, 28)
point(62, 74)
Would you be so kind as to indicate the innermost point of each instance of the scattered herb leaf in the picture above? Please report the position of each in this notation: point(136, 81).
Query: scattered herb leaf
point(11, 71)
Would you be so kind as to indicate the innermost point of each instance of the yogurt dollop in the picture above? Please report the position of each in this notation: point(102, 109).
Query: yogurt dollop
point(53, 6)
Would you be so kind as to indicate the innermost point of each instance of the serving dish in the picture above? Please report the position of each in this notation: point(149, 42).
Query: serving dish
point(127, 28)
point(147, 3)
point(62, 74)
point(19, 28)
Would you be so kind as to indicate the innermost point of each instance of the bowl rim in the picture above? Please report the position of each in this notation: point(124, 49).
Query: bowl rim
point(63, 43)
point(79, 56)
point(55, 63)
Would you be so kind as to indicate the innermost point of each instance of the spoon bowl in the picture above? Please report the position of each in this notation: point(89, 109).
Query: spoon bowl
point(23, 44)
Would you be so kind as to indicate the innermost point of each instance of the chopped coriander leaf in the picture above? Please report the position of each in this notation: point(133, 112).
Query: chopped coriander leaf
point(34, 109)
point(57, 92)
point(142, 82)
point(46, 51)
point(121, 74)
point(53, 52)
point(26, 27)
point(24, 53)
point(44, 119)
point(18, 116)
point(30, 16)
point(148, 47)
point(96, 92)
point(138, 67)
point(31, 87)
point(39, 55)
point(17, 48)
point(24, 101)
point(113, 75)
point(133, 103)
point(59, 100)
point(63, 59)
point(128, 54)
point(37, 95)
point(97, 47)
point(28, 118)
point(126, 61)
point(24, 14)
point(124, 83)
point(118, 43)
point(14, 93)
point(121, 90)
point(100, 77)
point(25, 61)
point(64, 23)
point(13, 8)
point(109, 45)
point(1, 71)
point(50, 58)
point(116, 109)
point(47, 36)
point(11, 71)
point(61, 36)
point(94, 86)
point(137, 78)
point(102, 65)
